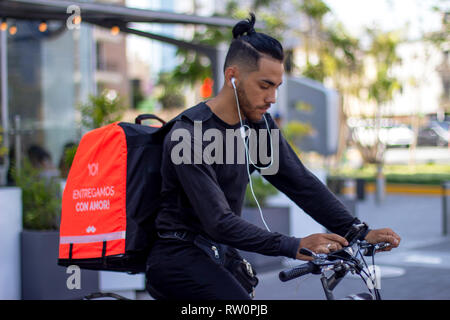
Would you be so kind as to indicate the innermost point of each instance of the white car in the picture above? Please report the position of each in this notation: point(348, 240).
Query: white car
point(390, 136)
point(397, 136)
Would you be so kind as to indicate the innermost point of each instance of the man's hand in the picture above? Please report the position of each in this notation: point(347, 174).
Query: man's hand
point(383, 235)
point(321, 243)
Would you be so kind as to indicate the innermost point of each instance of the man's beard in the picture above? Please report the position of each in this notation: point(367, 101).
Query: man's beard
point(244, 104)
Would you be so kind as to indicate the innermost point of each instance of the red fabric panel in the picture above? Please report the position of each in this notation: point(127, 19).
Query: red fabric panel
point(92, 250)
point(94, 198)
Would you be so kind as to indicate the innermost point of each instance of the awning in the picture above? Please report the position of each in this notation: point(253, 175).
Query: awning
point(99, 13)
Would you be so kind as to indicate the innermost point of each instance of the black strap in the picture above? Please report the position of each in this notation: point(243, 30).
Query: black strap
point(141, 117)
point(178, 235)
point(70, 251)
point(104, 253)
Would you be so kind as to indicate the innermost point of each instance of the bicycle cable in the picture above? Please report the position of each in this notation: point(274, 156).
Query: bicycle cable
point(373, 277)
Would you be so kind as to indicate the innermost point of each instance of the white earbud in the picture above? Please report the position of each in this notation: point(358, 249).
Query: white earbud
point(232, 82)
point(243, 133)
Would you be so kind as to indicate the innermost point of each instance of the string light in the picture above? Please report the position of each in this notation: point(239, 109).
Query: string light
point(3, 25)
point(115, 30)
point(13, 30)
point(43, 26)
point(77, 20)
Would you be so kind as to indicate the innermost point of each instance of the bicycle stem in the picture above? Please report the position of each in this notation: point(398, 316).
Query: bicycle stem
point(330, 283)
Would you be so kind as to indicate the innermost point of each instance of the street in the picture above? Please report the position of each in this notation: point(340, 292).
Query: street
point(419, 269)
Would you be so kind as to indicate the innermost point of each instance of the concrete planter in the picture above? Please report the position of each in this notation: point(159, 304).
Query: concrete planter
point(42, 278)
point(10, 227)
point(277, 219)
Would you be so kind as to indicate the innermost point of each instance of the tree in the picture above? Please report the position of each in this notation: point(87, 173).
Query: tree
point(196, 67)
point(382, 88)
point(331, 55)
point(101, 110)
point(171, 96)
point(441, 40)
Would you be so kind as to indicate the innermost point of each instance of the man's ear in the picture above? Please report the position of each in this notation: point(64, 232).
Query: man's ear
point(231, 72)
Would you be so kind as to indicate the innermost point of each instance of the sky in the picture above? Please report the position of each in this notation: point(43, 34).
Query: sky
point(387, 14)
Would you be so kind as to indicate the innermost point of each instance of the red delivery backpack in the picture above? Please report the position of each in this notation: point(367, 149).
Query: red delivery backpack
point(111, 197)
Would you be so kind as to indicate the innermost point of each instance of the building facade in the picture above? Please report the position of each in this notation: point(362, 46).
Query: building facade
point(48, 73)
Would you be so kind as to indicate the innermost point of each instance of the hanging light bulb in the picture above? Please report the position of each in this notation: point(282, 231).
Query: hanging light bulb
point(115, 30)
point(3, 25)
point(77, 20)
point(13, 30)
point(43, 26)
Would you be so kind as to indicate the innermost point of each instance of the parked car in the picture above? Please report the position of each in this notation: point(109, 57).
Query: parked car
point(394, 136)
point(435, 134)
point(398, 136)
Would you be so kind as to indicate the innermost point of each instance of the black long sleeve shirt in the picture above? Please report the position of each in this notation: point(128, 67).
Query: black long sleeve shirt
point(206, 197)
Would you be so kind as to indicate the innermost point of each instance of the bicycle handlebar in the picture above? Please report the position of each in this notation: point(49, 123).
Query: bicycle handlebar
point(340, 262)
point(296, 272)
point(344, 256)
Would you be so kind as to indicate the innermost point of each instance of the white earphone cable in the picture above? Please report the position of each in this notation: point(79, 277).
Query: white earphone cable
point(247, 154)
point(249, 160)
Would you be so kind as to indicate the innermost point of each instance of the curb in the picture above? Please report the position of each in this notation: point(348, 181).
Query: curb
point(391, 188)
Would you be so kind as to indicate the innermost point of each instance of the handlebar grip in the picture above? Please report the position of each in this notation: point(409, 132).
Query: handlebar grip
point(296, 272)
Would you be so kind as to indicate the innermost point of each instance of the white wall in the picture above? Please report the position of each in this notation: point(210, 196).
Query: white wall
point(10, 228)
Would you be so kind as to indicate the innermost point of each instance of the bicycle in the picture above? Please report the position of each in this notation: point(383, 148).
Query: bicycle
point(339, 263)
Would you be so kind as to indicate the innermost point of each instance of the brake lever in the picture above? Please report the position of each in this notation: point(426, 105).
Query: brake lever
point(340, 254)
point(320, 259)
point(310, 253)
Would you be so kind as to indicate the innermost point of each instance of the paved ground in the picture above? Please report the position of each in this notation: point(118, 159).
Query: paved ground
point(419, 269)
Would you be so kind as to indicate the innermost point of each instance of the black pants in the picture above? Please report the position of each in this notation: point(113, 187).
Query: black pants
point(181, 271)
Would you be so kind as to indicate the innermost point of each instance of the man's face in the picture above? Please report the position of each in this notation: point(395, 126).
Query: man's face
point(257, 90)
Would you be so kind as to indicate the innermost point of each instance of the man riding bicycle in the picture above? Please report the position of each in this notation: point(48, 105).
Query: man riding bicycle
point(202, 195)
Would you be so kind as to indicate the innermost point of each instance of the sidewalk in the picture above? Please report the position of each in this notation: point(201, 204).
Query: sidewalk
point(418, 269)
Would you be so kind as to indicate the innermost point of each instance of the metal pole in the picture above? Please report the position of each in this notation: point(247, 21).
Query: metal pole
point(445, 207)
point(4, 99)
point(217, 65)
point(18, 144)
point(94, 62)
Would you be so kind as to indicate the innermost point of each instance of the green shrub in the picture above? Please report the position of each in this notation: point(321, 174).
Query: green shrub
point(426, 174)
point(101, 110)
point(41, 198)
point(262, 191)
point(3, 150)
point(67, 159)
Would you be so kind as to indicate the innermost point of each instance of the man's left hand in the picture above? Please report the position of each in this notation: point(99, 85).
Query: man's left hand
point(383, 235)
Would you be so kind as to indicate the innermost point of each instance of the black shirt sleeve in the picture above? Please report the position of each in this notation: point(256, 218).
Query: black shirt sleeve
point(307, 191)
point(200, 184)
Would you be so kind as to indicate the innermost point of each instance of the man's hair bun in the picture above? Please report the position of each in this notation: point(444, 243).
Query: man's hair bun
point(248, 46)
point(244, 27)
